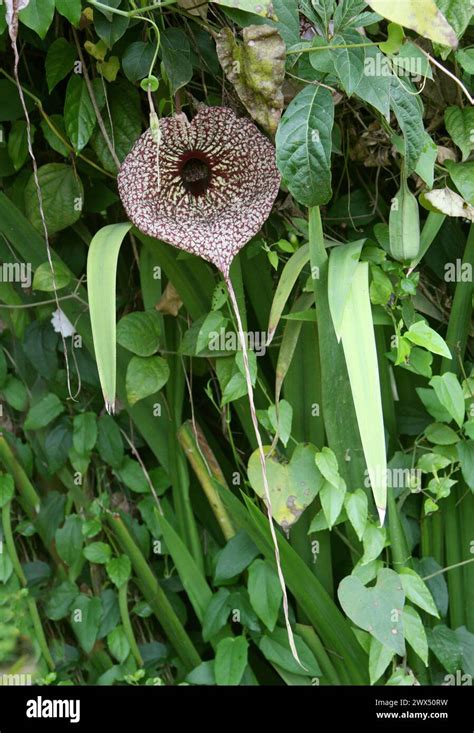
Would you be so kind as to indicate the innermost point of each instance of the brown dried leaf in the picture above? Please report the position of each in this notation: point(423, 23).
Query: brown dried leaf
point(445, 154)
point(170, 302)
point(256, 68)
point(12, 9)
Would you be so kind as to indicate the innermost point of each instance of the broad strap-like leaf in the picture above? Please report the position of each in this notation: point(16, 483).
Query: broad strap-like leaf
point(101, 275)
point(288, 278)
point(358, 340)
point(342, 267)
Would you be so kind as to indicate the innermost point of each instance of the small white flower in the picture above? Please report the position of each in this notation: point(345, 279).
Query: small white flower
point(62, 324)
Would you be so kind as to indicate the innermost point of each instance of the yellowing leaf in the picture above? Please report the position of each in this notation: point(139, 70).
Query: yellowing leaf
point(97, 50)
point(109, 69)
point(422, 16)
point(292, 485)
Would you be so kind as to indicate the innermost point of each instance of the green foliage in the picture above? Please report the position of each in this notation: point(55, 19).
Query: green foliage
point(304, 146)
point(79, 114)
point(38, 15)
point(62, 197)
point(377, 610)
point(59, 62)
point(459, 124)
point(264, 592)
point(139, 333)
point(231, 660)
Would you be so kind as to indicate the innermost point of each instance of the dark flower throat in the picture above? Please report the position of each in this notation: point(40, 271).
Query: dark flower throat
point(195, 173)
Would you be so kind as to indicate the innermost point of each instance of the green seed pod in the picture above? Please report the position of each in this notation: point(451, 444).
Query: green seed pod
point(404, 225)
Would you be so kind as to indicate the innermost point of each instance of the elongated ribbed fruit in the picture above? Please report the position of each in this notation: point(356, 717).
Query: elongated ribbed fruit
point(404, 225)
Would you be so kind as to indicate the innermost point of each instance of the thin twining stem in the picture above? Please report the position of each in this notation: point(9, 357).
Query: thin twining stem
point(447, 72)
point(268, 502)
point(453, 77)
point(329, 47)
point(130, 13)
point(13, 30)
point(72, 296)
point(94, 101)
point(447, 569)
point(158, 41)
point(144, 470)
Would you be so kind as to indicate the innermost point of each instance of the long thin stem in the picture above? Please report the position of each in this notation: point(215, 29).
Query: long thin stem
point(447, 569)
point(94, 101)
point(311, 49)
point(130, 13)
point(28, 498)
point(31, 500)
point(460, 318)
point(455, 514)
point(205, 466)
point(401, 556)
point(268, 501)
point(317, 647)
point(127, 624)
point(13, 30)
point(158, 39)
point(447, 72)
point(155, 595)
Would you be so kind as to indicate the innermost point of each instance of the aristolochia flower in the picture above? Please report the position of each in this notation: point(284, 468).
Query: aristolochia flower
point(209, 189)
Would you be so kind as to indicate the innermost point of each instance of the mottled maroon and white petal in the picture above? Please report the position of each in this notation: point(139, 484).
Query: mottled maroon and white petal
point(209, 190)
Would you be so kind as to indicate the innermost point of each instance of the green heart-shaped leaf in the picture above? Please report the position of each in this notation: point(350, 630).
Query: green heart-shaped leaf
point(292, 485)
point(377, 610)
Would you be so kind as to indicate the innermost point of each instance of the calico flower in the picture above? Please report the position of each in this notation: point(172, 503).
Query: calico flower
point(209, 189)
